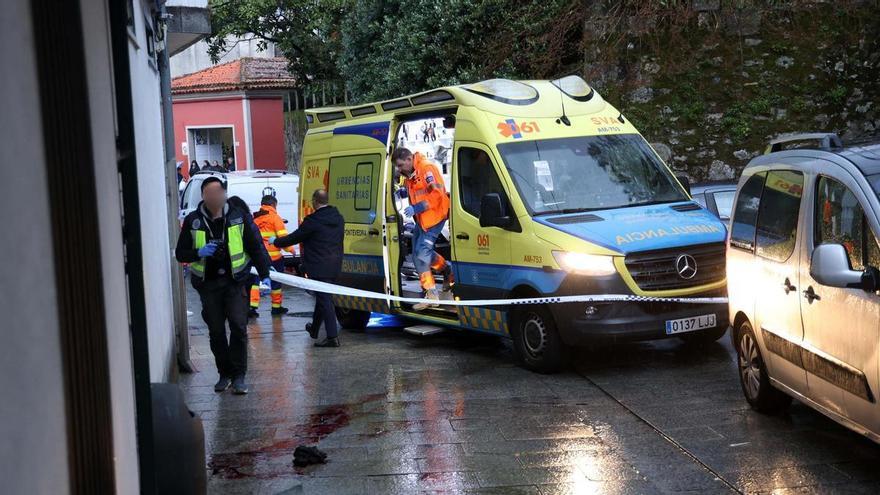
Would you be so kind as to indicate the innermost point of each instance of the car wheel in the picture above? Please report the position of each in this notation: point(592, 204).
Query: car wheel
point(753, 378)
point(536, 341)
point(353, 319)
point(703, 337)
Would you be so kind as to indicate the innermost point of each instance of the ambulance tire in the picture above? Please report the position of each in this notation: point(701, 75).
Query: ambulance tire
point(352, 319)
point(536, 342)
point(703, 337)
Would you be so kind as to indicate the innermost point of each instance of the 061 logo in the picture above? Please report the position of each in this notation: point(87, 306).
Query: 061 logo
point(483, 241)
point(509, 128)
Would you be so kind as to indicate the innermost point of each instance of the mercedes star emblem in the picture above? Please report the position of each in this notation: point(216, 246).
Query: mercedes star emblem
point(686, 266)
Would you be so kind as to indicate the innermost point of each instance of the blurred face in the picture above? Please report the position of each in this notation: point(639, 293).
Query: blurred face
point(214, 196)
point(404, 166)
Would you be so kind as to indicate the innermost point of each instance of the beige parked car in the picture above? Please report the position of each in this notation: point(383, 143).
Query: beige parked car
point(803, 280)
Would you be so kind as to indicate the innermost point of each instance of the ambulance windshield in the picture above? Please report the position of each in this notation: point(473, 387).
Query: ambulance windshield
point(587, 173)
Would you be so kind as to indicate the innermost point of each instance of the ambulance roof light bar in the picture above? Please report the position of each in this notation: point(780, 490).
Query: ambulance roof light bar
point(505, 91)
point(574, 87)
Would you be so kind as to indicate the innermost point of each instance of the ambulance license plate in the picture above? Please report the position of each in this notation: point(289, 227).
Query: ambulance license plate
point(690, 324)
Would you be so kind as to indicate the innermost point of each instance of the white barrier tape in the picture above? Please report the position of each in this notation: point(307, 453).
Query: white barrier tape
point(340, 290)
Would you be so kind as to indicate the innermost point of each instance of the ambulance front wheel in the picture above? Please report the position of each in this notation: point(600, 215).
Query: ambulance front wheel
point(536, 341)
point(353, 319)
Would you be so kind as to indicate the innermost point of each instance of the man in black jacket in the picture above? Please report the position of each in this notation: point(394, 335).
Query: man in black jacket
point(321, 234)
point(220, 241)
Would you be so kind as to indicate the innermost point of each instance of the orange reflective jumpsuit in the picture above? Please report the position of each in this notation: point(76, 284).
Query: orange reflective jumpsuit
point(271, 225)
point(427, 197)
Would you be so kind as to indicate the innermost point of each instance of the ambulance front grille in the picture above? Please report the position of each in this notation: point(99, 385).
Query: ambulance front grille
point(656, 270)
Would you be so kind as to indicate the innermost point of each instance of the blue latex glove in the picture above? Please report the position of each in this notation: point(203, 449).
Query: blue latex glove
point(416, 208)
point(272, 240)
point(207, 250)
point(265, 286)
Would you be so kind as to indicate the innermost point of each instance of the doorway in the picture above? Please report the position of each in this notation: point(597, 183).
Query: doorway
point(433, 137)
point(212, 143)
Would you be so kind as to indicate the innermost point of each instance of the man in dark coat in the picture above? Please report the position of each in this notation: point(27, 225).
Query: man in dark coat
point(321, 235)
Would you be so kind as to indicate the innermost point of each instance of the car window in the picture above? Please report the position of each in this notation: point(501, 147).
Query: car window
point(476, 178)
point(724, 202)
point(192, 195)
point(742, 232)
point(776, 230)
point(873, 251)
point(700, 198)
point(841, 220)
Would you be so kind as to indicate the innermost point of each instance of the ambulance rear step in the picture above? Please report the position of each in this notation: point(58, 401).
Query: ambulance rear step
point(423, 330)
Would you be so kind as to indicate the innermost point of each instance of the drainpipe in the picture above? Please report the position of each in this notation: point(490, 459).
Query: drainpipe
point(178, 291)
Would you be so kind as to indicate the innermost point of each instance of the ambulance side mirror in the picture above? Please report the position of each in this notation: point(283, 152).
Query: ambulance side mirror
point(492, 212)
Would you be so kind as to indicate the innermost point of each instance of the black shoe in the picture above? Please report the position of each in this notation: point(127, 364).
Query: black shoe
point(222, 384)
point(313, 332)
point(279, 311)
point(239, 387)
point(331, 342)
point(252, 313)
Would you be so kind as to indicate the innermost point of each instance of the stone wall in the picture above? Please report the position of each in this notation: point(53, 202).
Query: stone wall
point(713, 83)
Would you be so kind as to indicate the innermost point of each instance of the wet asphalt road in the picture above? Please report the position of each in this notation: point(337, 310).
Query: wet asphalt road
point(451, 414)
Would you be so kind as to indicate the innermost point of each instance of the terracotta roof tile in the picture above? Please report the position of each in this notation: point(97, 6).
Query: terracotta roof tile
point(244, 73)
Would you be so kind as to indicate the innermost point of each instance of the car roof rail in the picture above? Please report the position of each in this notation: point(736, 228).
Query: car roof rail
point(827, 141)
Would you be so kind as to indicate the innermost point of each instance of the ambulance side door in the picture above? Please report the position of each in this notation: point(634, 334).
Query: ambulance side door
point(354, 189)
point(481, 254)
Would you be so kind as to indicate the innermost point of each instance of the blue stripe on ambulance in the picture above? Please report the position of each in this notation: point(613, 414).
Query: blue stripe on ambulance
point(376, 130)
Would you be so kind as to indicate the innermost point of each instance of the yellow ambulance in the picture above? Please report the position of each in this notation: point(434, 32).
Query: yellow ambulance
point(553, 192)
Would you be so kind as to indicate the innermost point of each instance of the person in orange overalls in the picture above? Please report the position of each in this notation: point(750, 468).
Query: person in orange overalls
point(429, 204)
point(271, 225)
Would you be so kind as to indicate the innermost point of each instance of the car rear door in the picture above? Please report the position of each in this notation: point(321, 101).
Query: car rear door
point(777, 304)
point(842, 325)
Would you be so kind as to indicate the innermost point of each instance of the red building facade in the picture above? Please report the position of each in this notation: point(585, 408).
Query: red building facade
point(232, 110)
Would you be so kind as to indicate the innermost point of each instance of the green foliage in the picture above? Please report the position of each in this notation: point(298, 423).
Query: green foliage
point(397, 47)
point(306, 31)
point(737, 122)
point(837, 95)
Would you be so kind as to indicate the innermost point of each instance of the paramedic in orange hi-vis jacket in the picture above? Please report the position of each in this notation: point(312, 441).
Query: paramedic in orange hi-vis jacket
point(429, 204)
point(271, 225)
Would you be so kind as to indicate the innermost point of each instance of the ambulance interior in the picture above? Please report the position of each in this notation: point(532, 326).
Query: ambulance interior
point(433, 137)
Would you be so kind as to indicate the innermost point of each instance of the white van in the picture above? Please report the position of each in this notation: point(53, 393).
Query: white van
point(803, 280)
point(251, 186)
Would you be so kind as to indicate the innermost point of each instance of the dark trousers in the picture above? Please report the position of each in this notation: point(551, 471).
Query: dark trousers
point(324, 310)
point(225, 300)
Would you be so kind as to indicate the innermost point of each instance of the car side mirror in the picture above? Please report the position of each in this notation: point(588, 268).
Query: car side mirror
point(492, 212)
point(830, 266)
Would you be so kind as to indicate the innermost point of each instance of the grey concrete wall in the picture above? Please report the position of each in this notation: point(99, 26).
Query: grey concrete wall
point(33, 445)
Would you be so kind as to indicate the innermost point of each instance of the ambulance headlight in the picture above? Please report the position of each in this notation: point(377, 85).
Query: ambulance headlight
point(585, 264)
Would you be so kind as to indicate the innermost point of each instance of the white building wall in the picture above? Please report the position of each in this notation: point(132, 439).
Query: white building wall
point(195, 58)
point(146, 99)
point(99, 72)
point(33, 433)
